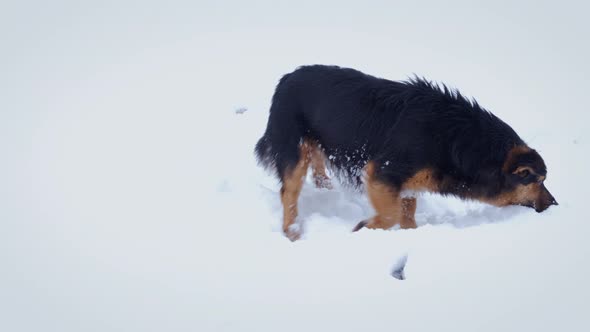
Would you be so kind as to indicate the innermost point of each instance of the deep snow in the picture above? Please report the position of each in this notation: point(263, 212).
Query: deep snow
point(130, 199)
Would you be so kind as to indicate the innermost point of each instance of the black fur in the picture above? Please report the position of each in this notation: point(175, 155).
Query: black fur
point(402, 126)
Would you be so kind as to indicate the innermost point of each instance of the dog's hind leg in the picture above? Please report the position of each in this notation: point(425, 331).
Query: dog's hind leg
point(293, 179)
point(318, 168)
point(385, 200)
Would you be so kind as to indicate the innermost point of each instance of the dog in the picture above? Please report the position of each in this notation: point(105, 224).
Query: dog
point(397, 138)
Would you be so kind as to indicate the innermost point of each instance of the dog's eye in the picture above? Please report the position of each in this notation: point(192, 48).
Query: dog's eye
point(524, 173)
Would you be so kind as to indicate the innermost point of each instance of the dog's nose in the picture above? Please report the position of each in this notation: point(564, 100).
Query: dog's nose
point(554, 202)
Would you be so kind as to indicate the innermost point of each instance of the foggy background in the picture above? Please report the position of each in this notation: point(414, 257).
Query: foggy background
point(112, 137)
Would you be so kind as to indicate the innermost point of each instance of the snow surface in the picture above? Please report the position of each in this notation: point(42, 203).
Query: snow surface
point(130, 199)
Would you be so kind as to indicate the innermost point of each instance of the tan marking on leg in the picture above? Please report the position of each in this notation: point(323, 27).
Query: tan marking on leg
point(423, 180)
point(292, 184)
point(318, 167)
point(408, 212)
point(385, 200)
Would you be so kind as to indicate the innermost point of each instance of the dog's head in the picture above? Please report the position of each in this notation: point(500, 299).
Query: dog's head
point(524, 172)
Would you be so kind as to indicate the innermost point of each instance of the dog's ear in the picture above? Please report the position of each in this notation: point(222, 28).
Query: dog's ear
point(522, 161)
point(523, 171)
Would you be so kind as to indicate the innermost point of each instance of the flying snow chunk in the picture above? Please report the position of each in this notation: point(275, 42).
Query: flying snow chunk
point(241, 110)
point(398, 269)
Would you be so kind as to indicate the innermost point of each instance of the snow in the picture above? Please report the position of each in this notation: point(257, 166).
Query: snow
point(130, 199)
point(398, 270)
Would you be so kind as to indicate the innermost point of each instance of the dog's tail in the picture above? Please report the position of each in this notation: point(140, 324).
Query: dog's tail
point(278, 148)
point(264, 153)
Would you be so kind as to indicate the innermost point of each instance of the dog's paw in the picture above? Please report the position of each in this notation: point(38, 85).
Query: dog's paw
point(360, 225)
point(293, 232)
point(323, 182)
point(375, 223)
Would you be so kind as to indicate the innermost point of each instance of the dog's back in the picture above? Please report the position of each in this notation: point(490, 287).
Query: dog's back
point(356, 117)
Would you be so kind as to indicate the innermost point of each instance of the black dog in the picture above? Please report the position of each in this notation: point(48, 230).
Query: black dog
point(407, 137)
